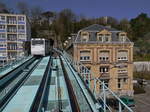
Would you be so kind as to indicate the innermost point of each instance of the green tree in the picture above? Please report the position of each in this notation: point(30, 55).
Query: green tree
point(140, 25)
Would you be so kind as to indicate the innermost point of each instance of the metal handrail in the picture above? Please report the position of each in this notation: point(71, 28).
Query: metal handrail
point(77, 64)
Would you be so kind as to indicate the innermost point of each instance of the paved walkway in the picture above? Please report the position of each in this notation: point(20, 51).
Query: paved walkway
point(143, 101)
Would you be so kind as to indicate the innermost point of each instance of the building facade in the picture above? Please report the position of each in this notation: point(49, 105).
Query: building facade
point(14, 32)
point(108, 53)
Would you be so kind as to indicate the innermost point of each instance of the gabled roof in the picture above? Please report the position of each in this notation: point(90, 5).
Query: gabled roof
point(97, 28)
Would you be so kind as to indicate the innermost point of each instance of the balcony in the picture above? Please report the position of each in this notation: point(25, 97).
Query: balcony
point(3, 48)
point(104, 76)
point(104, 62)
point(11, 22)
point(2, 30)
point(86, 61)
point(21, 22)
point(21, 31)
point(123, 75)
point(2, 22)
point(9, 30)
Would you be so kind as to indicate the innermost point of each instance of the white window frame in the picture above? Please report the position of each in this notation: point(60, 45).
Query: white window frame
point(104, 69)
point(2, 19)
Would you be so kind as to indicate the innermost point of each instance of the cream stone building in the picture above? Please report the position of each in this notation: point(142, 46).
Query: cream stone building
point(108, 53)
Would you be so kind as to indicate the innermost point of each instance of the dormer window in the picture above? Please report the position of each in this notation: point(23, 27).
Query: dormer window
point(122, 37)
point(100, 37)
point(85, 36)
point(104, 36)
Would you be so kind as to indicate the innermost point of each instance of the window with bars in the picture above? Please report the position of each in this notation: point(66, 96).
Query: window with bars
point(21, 36)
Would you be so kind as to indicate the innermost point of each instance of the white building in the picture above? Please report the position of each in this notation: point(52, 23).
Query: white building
point(14, 32)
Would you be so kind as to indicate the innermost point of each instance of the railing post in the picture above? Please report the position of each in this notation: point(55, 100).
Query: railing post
point(104, 96)
point(89, 80)
point(120, 108)
point(94, 88)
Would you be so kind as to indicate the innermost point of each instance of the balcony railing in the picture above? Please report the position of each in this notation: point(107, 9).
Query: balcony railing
point(12, 30)
point(123, 75)
point(21, 22)
point(11, 22)
point(104, 75)
point(104, 61)
point(85, 61)
point(21, 31)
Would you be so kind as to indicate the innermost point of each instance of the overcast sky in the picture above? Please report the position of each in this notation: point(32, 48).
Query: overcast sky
point(92, 8)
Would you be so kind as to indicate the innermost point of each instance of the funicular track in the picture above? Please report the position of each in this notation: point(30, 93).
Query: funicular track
point(38, 101)
point(80, 101)
point(12, 81)
point(73, 100)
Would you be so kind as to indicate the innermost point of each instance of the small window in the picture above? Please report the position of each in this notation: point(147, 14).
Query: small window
point(21, 27)
point(2, 35)
point(100, 37)
point(2, 26)
point(119, 83)
point(21, 36)
point(2, 17)
point(84, 37)
point(104, 69)
point(106, 39)
point(125, 80)
point(20, 18)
